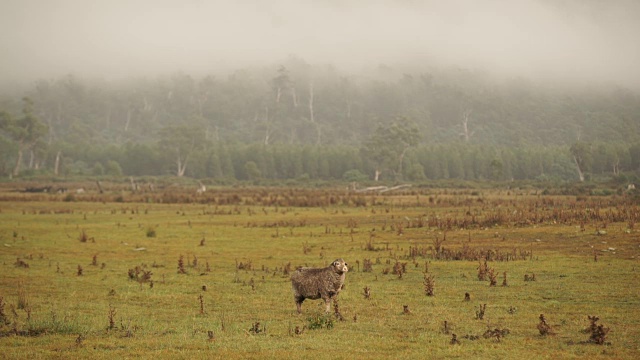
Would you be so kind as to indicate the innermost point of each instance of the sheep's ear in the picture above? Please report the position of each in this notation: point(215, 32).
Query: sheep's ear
point(336, 263)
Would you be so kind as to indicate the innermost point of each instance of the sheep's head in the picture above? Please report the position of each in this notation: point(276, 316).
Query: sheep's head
point(340, 266)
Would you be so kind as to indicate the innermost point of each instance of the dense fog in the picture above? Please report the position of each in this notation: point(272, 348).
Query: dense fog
point(547, 40)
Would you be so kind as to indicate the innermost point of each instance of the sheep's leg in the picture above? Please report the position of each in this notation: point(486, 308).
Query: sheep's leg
point(328, 299)
point(299, 300)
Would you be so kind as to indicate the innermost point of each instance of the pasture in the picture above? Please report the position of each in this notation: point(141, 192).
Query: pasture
point(433, 272)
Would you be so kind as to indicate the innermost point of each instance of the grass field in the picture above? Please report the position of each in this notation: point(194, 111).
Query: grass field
point(167, 274)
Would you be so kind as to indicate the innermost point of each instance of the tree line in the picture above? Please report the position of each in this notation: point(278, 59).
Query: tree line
point(298, 121)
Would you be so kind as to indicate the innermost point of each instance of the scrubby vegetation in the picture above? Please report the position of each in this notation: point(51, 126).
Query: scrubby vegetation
point(424, 278)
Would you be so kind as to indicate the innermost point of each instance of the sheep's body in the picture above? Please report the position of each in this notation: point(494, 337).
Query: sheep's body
point(318, 283)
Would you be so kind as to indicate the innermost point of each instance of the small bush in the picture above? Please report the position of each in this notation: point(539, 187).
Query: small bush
point(598, 333)
point(151, 232)
point(320, 322)
point(83, 237)
point(354, 175)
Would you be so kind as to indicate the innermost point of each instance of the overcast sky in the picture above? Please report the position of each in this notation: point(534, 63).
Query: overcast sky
point(592, 40)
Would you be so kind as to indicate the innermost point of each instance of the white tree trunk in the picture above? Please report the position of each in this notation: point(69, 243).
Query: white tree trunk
point(294, 97)
point(182, 170)
point(56, 166)
point(126, 125)
point(16, 169)
point(580, 173)
point(147, 106)
point(32, 158)
point(400, 160)
point(278, 94)
point(134, 185)
point(182, 165)
point(268, 131)
point(466, 134)
point(312, 117)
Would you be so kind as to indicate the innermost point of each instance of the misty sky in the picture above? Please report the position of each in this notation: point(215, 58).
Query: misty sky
point(592, 40)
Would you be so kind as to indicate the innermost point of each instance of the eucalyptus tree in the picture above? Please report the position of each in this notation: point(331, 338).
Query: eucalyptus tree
point(25, 131)
point(388, 145)
point(581, 153)
point(179, 143)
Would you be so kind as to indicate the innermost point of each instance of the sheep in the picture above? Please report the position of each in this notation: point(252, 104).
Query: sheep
point(316, 283)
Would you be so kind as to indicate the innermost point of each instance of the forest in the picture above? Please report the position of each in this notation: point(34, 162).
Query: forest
point(294, 120)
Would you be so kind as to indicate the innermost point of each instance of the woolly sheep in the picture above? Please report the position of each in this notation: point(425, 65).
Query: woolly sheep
point(316, 283)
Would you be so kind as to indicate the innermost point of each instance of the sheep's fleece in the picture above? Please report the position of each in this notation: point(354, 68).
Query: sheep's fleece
point(316, 283)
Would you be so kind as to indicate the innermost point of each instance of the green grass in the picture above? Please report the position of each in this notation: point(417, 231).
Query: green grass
point(164, 321)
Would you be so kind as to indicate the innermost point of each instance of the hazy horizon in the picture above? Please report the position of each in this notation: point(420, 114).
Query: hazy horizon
point(564, 41)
